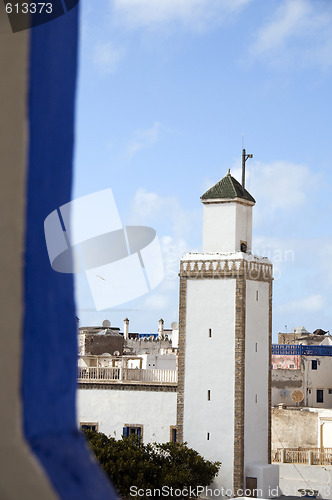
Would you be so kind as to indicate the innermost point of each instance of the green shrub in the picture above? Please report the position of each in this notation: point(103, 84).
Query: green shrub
point(128, 462)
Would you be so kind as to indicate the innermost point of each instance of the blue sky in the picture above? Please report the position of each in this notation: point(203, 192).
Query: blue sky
point(166, 89)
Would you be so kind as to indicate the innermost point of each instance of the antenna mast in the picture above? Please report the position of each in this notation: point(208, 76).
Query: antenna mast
point(244, 159)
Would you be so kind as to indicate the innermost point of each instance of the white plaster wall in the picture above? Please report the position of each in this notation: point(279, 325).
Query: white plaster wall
point(292, 478)
point(225, 225)
point(113, 409)
point(175, 339)
point(324, 427)
point(160, 362)
point(209, 365)
point(318, 379)
point(219, 227)
point(243, 226)
point(267, 479)
point(256, 373)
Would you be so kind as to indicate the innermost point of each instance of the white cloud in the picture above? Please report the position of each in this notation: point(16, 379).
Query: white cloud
point(166, 211)
point(281, 184)
point(107, 57)
point(312, 303)
point(298, 33)
point(143, 139)
point(279, 187)
point(193, 14)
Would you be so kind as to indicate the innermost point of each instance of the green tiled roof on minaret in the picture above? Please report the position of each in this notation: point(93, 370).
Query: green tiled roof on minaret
point(227, 188)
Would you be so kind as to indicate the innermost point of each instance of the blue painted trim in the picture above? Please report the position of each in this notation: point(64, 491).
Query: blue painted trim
point(301, 350)
point(49, 336)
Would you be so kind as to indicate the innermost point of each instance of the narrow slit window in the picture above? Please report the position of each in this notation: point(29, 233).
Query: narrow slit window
point(256, 347)
point(209, 395)
point(256, 294)
point(208, 436)
point(256, 398)
point(210, 332)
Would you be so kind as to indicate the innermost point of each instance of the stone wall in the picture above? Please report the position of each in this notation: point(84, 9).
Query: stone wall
point(284, 385)
point(146, 346)
point(293, 428)
point(100, 344)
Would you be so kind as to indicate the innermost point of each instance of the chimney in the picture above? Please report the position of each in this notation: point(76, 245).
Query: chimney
point(126, 328)
point(160, 328)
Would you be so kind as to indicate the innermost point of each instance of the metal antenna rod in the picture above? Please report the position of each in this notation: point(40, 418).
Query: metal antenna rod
point(244, 159)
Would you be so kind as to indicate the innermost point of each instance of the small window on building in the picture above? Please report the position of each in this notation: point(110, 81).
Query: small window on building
point(256, 346)
point(309, 391)
point(173, 434)
point(291, 365)
point(210, 332)
point(209, 395)
point(208, 436)
point(256, 294)
point(330, 391)
point(243, 246)
point(320, 396)
point(314, 364)
point(255, 398)
point(88, 426)
point(130, 430)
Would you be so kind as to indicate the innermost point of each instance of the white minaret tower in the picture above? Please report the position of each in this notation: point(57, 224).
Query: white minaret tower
point(225, 333)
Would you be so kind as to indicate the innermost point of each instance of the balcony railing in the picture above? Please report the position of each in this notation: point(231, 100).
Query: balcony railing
point(127, 375)
point(302, 350)
point(304, 456)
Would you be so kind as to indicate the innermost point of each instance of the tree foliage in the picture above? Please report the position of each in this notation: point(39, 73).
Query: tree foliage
point(128, 462)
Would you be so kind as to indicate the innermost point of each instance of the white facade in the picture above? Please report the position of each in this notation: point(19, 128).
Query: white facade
point(113, 409)
point(159, 361)
point(256, 373)
point(226, 233)
point(210, 306)
point(317, 382)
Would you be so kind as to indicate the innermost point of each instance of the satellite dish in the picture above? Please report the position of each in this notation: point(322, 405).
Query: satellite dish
point(174, 325)
point(297, 396)
point(106, 323)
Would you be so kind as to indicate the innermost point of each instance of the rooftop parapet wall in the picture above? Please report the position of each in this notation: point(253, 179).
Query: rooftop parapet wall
point(228, 265)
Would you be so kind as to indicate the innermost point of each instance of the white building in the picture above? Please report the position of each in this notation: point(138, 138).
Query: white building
point(302, 373)
point(224, 345)
point(122, 407)
point(129, 393)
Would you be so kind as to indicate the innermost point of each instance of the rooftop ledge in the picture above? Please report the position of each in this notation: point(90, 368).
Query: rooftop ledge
point(225, 256)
